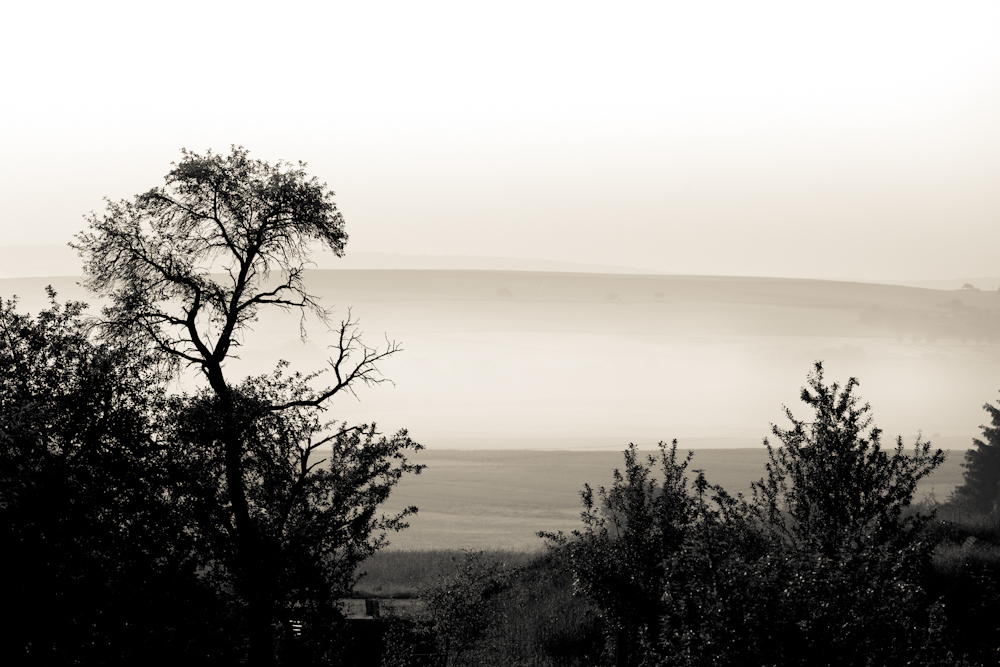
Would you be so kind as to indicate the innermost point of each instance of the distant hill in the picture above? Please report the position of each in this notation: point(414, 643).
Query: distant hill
point(677, 304)
point(35, 261)
point(601, 302)
point(53, 260)
point(496, 358)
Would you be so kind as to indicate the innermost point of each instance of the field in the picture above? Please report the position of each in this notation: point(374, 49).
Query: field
point(500, 499)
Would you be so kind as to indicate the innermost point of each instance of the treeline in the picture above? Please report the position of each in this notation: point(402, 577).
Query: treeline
point(828, 562)
point(953, 320)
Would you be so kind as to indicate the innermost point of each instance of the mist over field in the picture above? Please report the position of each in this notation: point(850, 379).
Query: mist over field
point(567, 235)
point(555, 360)
point(524, 385)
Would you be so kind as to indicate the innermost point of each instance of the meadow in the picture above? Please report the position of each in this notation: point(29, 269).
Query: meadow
point(499, 499)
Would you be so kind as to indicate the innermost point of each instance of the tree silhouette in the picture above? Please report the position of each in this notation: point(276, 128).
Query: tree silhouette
point(852, 563)
point(630, 532)
point(981, 489)
point(188, 268)
point(830, 485)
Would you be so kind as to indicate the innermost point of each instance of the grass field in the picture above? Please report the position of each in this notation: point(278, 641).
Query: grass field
point(500, 499)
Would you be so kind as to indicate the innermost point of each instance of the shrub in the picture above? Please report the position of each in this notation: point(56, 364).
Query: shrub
point(461, 605)
point(630, 531)
point(489, 612)
point(831, 486)
point(851, 561)
point(823, 566)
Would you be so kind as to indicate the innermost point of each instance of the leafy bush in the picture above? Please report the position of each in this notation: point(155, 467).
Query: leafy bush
point(488, 612)
point(403, 574)
point(537, 621)
point(461, 605)
point(629, 531)
point(831, 486)
point(632, 531)
point(824, 565)
point(853, 560)
point(101, 566)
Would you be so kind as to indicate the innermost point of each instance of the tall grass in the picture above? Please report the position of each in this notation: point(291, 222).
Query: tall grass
point(968, 541)
point(539, 622)
point(404, 574)
point(534, 619)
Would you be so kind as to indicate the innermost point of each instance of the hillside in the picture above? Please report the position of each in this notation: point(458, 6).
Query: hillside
point(566, 358)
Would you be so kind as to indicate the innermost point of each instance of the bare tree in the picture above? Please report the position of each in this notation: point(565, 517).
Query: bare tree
point(187, 268)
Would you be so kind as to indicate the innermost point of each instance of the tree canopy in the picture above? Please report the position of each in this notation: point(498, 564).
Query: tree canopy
point(187, 268)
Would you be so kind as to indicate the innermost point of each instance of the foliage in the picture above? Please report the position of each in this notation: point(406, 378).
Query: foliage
point(461, 605)
point(488, 612)
point(405, 574)
point(537, 620)
point(319, 515)
point(981, 489)
point(408, 643)
point(630, 532)
point(100, 563)
point(967, 582)
point(831, 487)
point(718, 587)
point(848, 563)
point(840, 578)
point(823, 566)
point(195, 260)
point(188, 268)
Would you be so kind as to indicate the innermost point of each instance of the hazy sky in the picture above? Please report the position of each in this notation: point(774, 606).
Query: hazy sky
point(751, 138)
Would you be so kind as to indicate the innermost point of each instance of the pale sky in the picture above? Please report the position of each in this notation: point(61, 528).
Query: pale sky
point(840, 139)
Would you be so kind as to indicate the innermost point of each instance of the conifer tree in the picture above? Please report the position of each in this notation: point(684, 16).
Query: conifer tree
point(981, 489)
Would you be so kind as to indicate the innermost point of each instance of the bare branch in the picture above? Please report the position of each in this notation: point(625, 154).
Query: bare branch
point(353, 363)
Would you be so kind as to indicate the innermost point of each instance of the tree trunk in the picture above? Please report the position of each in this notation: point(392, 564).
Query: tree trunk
point(260, 618)
point(254, 564)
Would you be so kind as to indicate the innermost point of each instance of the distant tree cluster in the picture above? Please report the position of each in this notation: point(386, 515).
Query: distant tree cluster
point(952, 321)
